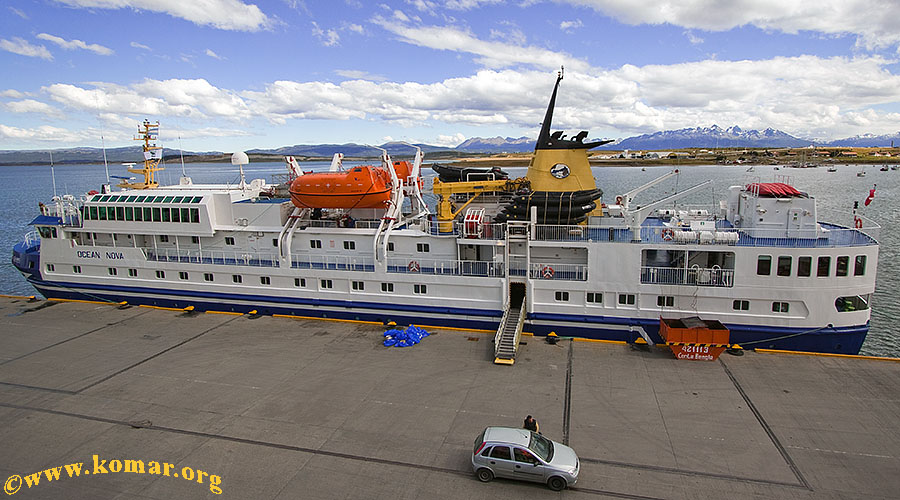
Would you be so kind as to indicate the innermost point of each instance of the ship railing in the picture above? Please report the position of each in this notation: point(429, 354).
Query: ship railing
point(446, 267)
point(216, 257)
point(32, 239)
point(332, 262)
point(351, 223)
point(694, 276)
point(826, 235)
point(557, 271)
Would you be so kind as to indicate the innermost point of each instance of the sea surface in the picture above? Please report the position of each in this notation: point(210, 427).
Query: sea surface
point(22, 187)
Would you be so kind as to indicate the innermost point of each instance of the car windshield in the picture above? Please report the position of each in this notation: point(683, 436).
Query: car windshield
point(541, 446)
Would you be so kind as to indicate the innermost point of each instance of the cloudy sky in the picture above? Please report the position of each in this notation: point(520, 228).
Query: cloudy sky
point(230, 75)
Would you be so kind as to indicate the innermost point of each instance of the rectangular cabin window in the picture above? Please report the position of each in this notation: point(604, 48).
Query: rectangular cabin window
point(102, 213)
point(420, 289)
point(358, 285)
point(156, 214)
point(132, 273)
point(51, 268)
point(94, 213)
point(594, 298)
point(76, 269)
point(185, 215)
point(784, 265)
point(148, 217)
point(208, 276)
point(824, 267)
point(112, 271)
point(182, 275)
point(326, 284)
point(138, 214)
point(195, 240)
point(229, 240)
point(129, 214)
point(349, 245)
point(120, 213)
point(780, 307)
point(387, 287)
point(390, 246)
point(315, 243)
point(741, 305)
point(161, 275)
point(562, 296)
point(163, 238)
point(265, 280)
point(626, 299)
point(423, 247)
point(843, 265)
point(166, 215)
point(665, 301)
point(859, 267)
point(300, 282)
point(237, 278)
point(804, 266)
point(274, 242)
point(764, 265)
point(176, 214)
point(195, 215)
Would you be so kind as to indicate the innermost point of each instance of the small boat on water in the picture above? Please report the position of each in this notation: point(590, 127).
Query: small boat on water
point(832, 169)
point(895, 167)
point(861, 173)
point(884, 168)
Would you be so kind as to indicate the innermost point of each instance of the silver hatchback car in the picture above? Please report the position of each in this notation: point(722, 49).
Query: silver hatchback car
point(525, 455)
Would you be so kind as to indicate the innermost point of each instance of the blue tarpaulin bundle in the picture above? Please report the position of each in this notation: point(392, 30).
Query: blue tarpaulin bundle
point(404, 338)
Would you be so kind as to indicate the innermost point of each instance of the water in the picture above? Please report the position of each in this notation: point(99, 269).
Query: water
point(22, 187)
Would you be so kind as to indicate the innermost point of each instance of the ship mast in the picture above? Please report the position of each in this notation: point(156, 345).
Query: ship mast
point(147, 132)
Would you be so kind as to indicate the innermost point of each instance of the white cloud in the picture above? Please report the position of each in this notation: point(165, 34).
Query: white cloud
point(19, 13)
point(31, 106)
point(877, 23)
point(140, 46)
point(231, 15)
point(44, 133)
point(356, 28)
point(329, 38)
point(359, 75)
point(212, 54)
point(490, 53)
point(15, 94)
point(449, 141)
point(23, 48)
point(694, 39)
point(76, 44)
point(570, 26)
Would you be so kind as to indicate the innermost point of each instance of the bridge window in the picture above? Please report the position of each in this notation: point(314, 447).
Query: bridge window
point(120, 213)
point(156, 215)
point(102, 213)
point(741, 305)
point(358, 285)
point(780, 307)
point(176, 216)
point(843, 266)
point(387, 287)
point(562, 296)
point(784, 266)
point(804, 266)
point(195, 215)
point(853, 303)
point(166, 214)
point(94, 213)
point(595, 297)
point(138, 215)
point(423, 247)
point(764, 265)
point(148, 214)
point(301, 282)
point(129, 214)
point(859, 267)
point(665, 301)
point(824, 267)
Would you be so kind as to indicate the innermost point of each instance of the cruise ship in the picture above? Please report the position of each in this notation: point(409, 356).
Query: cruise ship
point(540, 254)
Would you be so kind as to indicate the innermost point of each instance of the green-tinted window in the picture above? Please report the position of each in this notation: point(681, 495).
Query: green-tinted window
point(195, 215)
point(167, 199)
point(102, 213)
point(166, 217)
point(185, 215)
point(131, 198)
point(147, 216)
point(129, 214)
point(120, 213)
point(156, 214)
point(138, 214)
point(104, 197)
point(178, 199)
point(175, 214)
point(141, 198)
point(96, 197)
point(93, 212)
point(196, 199)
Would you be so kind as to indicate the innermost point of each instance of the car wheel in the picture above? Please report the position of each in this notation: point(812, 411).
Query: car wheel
point(484, 475)
point(556, 483)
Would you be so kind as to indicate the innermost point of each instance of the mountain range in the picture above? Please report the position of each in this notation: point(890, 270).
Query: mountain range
point(698, 137)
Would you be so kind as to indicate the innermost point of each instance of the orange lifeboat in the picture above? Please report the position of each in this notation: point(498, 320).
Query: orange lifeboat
point(358, 187)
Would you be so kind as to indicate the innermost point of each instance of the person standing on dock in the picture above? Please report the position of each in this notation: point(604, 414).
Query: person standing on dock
point(531, 424)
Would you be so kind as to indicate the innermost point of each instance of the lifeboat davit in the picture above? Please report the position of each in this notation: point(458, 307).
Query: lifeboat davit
point(358, 187)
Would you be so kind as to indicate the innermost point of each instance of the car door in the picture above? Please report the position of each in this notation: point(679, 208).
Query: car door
point(527, 467)
point(501, 462)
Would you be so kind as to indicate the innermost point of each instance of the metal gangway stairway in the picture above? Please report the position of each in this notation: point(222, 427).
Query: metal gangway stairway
point(506, 340)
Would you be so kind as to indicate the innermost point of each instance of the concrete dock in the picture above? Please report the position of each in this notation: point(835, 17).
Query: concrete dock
point(284, 408)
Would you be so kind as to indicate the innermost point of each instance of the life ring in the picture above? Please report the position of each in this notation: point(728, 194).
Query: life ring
point(668, 234)
point(413, 266)
point(858, 223)
point(547, 272)
point(619, 200)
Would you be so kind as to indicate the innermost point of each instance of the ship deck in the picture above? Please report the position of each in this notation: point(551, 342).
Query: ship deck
point(289, 408)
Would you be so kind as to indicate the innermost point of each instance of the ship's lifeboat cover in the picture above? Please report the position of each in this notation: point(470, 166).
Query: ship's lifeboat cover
point(775, 190)
point(358, 187)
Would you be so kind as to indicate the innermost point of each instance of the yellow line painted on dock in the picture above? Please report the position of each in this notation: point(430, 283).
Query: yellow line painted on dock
point(29, 297)
point(102, 303)
point(827, 355)
point(599, 341)
point(232, 313)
